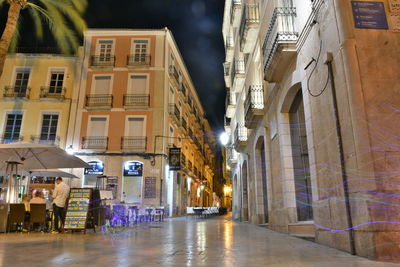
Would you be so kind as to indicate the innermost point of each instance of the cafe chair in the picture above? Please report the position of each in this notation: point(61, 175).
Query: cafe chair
point(119, 216)
point(38, 216)
point(16, 216)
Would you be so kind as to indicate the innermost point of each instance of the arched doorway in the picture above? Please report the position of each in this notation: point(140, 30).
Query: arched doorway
point(132, 182)
point(301, 164)
point(245, 198)
point(261, 174)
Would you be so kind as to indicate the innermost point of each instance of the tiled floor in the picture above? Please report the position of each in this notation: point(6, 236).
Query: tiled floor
point(177, 242)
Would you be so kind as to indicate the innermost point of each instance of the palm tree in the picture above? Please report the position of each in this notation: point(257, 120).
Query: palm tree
point(64, 18)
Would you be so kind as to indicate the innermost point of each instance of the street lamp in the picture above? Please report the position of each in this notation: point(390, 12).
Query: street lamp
point(224, 138)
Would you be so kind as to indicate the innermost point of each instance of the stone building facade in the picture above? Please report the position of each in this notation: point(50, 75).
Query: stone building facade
point(312, 111)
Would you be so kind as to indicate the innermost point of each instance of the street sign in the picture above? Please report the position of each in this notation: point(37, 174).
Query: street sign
point(133, 168)
point(174, 159)
point(369, 15)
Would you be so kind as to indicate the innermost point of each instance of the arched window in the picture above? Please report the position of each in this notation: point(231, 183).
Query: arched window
point(301, 164)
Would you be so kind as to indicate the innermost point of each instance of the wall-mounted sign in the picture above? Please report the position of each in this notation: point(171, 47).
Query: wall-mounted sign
point(97, 168)
point(150, 187)
point(369, 15)
point(174, 159)
point(133, 168)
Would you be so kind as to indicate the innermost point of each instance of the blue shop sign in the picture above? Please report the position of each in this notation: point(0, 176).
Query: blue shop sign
point(369, 15)
point(133, 168)
point(97, 168)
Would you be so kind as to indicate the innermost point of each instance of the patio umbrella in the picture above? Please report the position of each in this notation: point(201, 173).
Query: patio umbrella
point(29, 156)
point(44, 173)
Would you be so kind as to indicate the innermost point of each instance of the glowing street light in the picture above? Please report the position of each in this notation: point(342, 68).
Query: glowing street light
point(224, 138)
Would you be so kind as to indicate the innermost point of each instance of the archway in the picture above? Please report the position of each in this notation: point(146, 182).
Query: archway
point(261, 174)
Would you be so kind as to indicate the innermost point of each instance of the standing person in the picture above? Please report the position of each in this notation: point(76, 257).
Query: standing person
point(60, 195)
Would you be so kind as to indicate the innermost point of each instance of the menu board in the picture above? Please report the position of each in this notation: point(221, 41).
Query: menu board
point(78, 208)
point(150, 187)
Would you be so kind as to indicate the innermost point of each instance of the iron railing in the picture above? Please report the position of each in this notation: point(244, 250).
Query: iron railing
point(133, 100)
point(102, 61)
point(134, 143)
point(238, 70)
point(139, 60)
point(99, 100)
point(227, 67)
point(10, 139)
point(229, 43)
point(254, 98)
point(281, 30)
point(95, 142)
point(53, 92)
point(173, 72)
point(230, 99)
point(46, 139)
point(184, 124)
point(241, 134)
point(175, 112)
point(17, 91)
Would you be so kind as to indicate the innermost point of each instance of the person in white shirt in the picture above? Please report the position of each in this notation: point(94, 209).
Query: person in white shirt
point(60, 195)
point(37, 198)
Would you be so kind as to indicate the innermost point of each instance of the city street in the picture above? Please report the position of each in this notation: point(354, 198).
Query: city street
point(176, 242)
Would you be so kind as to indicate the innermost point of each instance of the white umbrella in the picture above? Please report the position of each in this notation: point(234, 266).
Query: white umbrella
point(29, 156)
point(44, 173)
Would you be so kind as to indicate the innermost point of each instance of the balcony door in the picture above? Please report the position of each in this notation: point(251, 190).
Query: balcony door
point(13, 128)
point(105, 50)
point(56, 81)
point(135, 127)
point(102, 85)
point(49, 127)
point(138, 85)
point(140, 50)
point(21, 80)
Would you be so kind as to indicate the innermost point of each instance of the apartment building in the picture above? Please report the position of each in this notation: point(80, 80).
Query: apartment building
point(312, 100)
point(36, 98)
point(136, 101)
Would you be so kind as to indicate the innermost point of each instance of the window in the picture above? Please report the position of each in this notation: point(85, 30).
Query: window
point(140, 50)
point(172, 59)
point(13, 127)
point(97, 126)
point(102, 85)
point(171, 95)
point(135, 127)
point(56, 81)
point(49, 127)
point(21, 80)
point(105, 50)
point(138, 85)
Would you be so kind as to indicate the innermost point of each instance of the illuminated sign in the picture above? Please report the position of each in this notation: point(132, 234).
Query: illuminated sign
point(97, 168)
point(133, 168)
point(174, 159)
point(369, 15)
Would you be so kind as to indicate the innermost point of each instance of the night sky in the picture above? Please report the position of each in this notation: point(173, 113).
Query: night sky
point(196, 26)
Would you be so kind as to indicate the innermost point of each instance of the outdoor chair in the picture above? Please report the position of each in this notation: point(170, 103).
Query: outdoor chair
point(159, 213)
point(38, 216)
point(16, 215)
point(119, 216)
point(133, 214)
point(149, 215)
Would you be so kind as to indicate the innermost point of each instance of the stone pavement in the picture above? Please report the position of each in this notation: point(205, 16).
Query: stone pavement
point(176, 242)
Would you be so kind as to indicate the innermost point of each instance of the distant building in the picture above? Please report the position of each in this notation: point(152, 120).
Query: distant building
point(297, 165)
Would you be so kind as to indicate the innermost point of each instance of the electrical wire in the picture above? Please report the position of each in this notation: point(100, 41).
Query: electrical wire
point(312, 72)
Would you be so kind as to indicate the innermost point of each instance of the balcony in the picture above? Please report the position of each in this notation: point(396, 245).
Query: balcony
point(134, 143)
point(227, 74)
point(138, 61)
point(230, 104)
point(175, 113)
point(240, 137)
point(248, 30)
point(174, 75)
point(136, 101)
point(232, 156)
point(46, 139)
point(99, 101)
point(190, 165)
point(11, 139)
point(280, 42)
point(184, 125)
point(229, 48)
point(183, 90)
point(236, 6)
point(95, 142)
point(183, 161)
point(254, 106)
point(51, 92)
point(105, 61)
point(16, 92)
point(238, 72)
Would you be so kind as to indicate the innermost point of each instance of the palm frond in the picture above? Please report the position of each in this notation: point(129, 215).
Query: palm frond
point(15, 38)
point(37, 14)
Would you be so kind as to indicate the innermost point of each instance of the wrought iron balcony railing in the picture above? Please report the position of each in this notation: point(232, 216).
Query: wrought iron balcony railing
point(173, 72)
point(227, 68)
point(238, 70)
point(140, 60)
point(102, 61)
point(182, 88)
point(240, 136)
point(229, 43)
point(48, 139)
point(16, 91)
point(281, 30)
point(53, 92)
point(95, 142)
point(175, 113)
point(132, 100)
point(99, 101)
point(254, 98)
point(134, 143)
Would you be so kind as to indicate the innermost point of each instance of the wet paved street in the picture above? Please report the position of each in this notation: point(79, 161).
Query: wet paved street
point(177, 242)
